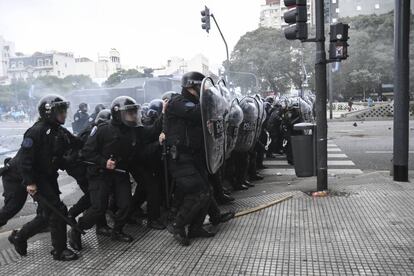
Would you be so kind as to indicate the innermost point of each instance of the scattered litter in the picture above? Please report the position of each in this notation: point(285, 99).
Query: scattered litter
point(320, 194)
point(278, 174)
point(355, 124)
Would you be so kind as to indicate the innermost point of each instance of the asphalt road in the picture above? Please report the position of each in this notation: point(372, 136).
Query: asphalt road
point(370, 144)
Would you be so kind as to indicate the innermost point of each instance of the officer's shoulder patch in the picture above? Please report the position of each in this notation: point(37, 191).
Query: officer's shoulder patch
point(93, 131)
point(90, 119)
point(189, 104)
point(27, 143)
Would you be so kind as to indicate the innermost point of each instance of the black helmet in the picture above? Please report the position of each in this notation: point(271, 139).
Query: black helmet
point(125, 110)
point(50, 106)
point(168, 95)
point(83, 107)
point(270, 99)
point(98, 108)
point(103, 116)
point(155, 108)
point(192, 79)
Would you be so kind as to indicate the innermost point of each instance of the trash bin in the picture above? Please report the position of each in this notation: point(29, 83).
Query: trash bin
point(304, 151)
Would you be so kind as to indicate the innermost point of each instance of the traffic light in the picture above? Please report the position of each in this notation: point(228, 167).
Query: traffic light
point(296, 17)
point(338, 46)
point(205, 19)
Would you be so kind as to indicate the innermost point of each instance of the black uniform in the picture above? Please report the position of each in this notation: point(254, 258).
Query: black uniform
point(184, 136)
point(14, 193)
point(80, 121)
point(112, 140)
point(37, 161)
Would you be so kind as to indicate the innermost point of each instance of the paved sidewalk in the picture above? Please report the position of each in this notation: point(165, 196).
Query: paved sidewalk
point(364, 228)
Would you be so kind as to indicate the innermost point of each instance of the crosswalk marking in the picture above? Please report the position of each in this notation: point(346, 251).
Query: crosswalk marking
point(292, 171)
point(337, 155)
point(330, 163)
point(338, 164)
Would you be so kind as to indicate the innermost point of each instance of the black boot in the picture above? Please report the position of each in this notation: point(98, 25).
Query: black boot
point(200, 232)
point(223, 199)
point(155, 224)
point(118, 235)
point(65, 255)
point(240, 187)
point(75, 239)
point(103, 231)
point(224, 217)
point(256, 177)
point(20, 244)
point(248, 183)
point(179, 234)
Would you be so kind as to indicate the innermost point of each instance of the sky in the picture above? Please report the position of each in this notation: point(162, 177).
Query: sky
point(146, 33)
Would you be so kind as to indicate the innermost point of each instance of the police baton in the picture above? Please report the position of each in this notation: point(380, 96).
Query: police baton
point(43, 201)
point(115, 170)
point(165, 161)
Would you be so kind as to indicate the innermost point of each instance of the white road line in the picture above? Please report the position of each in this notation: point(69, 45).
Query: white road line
point(344, 171)
point(332, 145)
point(337, 155)
point(275, 162)
point(278, 172)
point(383, 151)
point(330, 163)
point(334, 150)
point(292, 171)
point(340, 163)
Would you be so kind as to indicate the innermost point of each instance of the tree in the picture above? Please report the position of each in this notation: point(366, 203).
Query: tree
point(366, 80)
point(123, 74)
point(266, 53)
point(371, 54)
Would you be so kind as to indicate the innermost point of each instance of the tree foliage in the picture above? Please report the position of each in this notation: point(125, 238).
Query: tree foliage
point(276, 61)
point(123, 74)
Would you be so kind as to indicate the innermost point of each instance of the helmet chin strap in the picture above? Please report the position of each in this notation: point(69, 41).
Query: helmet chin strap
point(194, 92)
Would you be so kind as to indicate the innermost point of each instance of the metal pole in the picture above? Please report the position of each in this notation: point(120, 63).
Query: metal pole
point(227, 48)
point(330, 72)
point(330, 84)
point(401, 88)
point(321, 97)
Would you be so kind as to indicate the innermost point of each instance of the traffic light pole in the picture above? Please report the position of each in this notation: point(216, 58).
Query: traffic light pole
point(401, 89)
point(222, 36)
point(321, 97)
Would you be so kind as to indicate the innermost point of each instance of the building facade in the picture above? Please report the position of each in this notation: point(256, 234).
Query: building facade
point(22, 67)
point(271, 15)
point(179, 66)
point(7, 50)
point(99, 70)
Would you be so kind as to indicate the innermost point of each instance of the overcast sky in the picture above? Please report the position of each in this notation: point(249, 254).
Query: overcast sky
point(146, 33)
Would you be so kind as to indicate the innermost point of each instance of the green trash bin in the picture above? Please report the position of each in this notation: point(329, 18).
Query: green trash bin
point(304, 150)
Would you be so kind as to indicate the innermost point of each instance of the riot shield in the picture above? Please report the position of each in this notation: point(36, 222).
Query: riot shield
point(213, 109)
point(261, 115)
point(247, 129)
point(232, 123)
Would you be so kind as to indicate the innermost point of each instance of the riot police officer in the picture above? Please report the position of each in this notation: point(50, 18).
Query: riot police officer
point(80, 119)
point(14, 193)
point(111, 148)
point(77, 169)
point(93, 116)
point(37, 161)
point(184, 137)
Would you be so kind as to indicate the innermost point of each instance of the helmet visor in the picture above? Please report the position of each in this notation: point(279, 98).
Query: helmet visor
point(131, 115)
